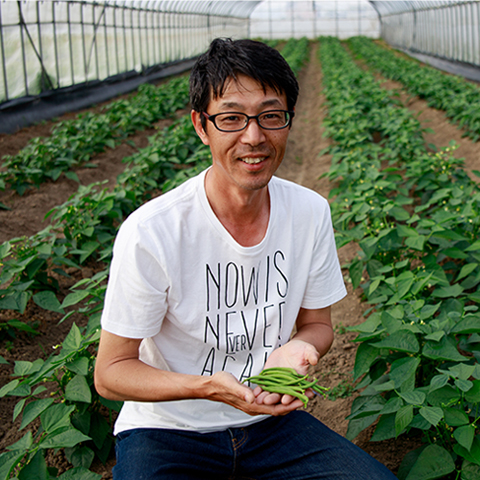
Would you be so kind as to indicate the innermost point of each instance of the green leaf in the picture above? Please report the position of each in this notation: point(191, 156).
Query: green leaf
point(77, 390)
point(9, 387)
point(416, 243)
point(461, 371)
point(73, 340)
point(75, 297)
point(433, 462)
point(401, 340)
point(392, 406)
point(23, 444)
point(428, 311)
point(403, 369)
point(432, 414)
point(435, 336)
point(450, 291)
point(473, 455)
point(443, 397)
point(364, 359)
point(468, 324)
point(35, 469)
point(99, 429)
point(19, 407)
point(56, 417)
point(80, 456)
point(464, 435)
point(48, 301)
point(79, 473)
point(442, 350)
point(385, 428)
point(358, 425)
point(470, 471)
point(399, 214)
point(79, 365)
point(463, 385)
point(8, 461)
point(438, 381)
point(413, 398)
point(467, 270)
point(455, 417)
point(67, 438)
point(356, 270)
point(72, 176)
point(403, 418)
point(33, 410)
point(473, 395)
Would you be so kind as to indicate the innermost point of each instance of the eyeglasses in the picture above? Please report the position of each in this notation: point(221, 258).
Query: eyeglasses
point(235, 121)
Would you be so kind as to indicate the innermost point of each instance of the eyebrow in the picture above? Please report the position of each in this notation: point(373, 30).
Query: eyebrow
point(267, 103)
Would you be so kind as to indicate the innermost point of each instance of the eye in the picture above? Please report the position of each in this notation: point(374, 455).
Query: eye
point(272, 115)
point(232, 118)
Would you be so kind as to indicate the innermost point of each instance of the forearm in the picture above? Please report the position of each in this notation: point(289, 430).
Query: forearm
point(317, 334)
point(131, 379)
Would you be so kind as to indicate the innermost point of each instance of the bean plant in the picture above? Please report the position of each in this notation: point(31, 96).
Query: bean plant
point(415, 215)
point(58, 392)
point(74, 142)
point(459, 98)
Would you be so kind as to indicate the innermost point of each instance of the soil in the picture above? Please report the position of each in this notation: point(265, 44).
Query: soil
point(302, 164)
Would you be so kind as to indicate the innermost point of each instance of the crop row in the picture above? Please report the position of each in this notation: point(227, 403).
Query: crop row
point(459, 98)
point(82, 232)
point(74, 142)
point(415, 216)
point(295, 51)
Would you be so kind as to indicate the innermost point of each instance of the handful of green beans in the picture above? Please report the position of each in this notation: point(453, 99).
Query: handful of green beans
point(286, 381)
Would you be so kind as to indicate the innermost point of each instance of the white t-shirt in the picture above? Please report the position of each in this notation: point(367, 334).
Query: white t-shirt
point(204, 303)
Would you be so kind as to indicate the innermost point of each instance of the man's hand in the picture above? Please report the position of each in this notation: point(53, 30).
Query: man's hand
point(227, 389)
point(295, 354)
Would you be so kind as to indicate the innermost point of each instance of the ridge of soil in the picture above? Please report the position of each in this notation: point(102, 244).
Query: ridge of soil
point(302, 164)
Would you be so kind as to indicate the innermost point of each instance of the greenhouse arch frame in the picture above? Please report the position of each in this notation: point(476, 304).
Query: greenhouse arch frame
point(92, 50)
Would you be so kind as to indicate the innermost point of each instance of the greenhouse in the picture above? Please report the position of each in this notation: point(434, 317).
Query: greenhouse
point(237, 196)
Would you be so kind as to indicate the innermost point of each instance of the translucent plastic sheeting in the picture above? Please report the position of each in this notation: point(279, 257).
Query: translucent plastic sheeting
point(445, 29)
point(280, 19)
point(47, 45)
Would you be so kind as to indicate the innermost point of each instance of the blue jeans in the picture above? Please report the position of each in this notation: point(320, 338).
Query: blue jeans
point(292, 447)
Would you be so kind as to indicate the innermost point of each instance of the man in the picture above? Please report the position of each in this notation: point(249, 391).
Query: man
point(207, 284)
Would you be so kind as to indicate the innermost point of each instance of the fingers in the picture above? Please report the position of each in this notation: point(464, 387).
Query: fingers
point(312, 355)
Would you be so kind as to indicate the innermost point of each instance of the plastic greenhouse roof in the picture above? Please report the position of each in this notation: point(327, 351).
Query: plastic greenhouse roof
point(394, 7)
point(228, 8)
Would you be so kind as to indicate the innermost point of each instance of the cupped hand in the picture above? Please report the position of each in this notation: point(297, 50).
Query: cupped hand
point(224, 387)
point(295, 354)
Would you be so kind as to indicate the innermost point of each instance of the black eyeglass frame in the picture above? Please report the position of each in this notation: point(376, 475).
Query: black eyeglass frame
point(291, 114)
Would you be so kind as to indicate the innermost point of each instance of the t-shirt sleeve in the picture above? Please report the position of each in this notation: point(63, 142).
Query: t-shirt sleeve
point(325, 284)
point(136, 297)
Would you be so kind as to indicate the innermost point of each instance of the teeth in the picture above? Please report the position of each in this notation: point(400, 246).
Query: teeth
point(253, 161)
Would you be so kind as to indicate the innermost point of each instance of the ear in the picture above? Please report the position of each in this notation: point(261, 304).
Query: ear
point(197, 123)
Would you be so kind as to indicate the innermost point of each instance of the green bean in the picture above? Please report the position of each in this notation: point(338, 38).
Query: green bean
point(286, 381)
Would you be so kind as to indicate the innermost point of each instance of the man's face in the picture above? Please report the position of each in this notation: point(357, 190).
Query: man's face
point(245, 159)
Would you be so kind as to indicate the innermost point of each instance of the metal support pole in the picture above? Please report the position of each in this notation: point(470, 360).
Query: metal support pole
point(107, 56)
point(4, 66)
point(72, 73)
point(55, 44)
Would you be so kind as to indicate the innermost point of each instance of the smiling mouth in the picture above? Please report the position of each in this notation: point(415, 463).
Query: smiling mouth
point(253, 161)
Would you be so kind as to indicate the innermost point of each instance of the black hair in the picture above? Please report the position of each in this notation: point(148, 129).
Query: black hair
point(226, 59)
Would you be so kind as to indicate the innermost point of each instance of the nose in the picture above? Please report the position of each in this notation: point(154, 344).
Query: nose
point(253, 134)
